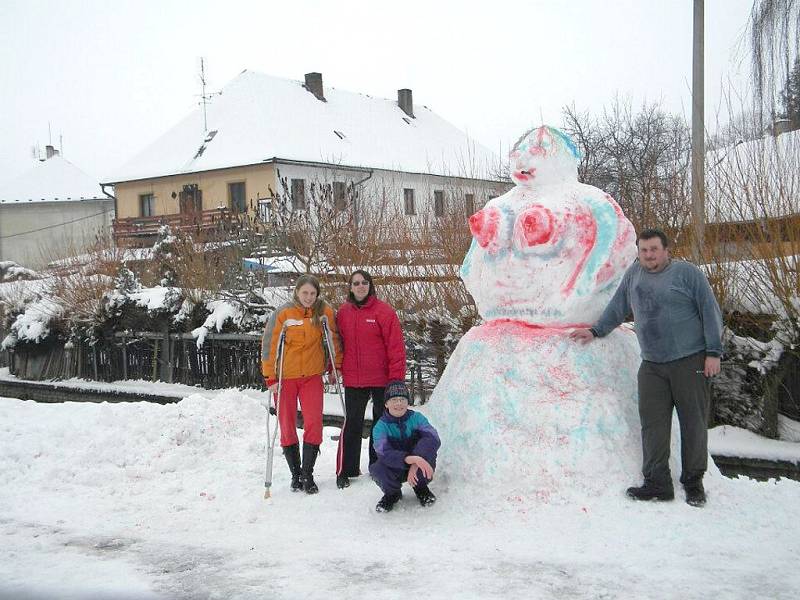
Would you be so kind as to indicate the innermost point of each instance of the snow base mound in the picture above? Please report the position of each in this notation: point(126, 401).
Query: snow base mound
point(527, 413)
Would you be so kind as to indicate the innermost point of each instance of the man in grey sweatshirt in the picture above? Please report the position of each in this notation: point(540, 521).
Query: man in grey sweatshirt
point(679, 326)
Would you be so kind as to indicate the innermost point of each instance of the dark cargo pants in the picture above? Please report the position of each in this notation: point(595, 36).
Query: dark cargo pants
point(662, 386)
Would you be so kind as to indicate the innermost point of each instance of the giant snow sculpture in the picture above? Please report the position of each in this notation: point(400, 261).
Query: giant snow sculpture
point(521, 408)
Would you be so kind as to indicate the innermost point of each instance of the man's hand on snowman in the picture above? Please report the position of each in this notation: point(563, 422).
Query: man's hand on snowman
point(584, 336)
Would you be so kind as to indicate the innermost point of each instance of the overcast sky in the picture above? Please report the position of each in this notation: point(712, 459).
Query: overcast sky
point(110, 77)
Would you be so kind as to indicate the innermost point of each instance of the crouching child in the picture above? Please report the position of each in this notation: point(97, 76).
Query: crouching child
point(406, 446)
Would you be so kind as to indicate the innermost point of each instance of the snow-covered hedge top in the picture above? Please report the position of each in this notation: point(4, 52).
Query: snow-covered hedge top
point(33, 325)
point(11, 271)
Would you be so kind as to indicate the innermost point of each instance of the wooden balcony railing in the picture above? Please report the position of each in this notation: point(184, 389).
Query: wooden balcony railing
point(140, 231)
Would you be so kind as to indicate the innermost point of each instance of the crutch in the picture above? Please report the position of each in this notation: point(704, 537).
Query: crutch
point(326, 333)
point(271, 441)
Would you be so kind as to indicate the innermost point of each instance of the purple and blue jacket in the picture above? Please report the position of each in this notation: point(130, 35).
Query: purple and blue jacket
point(395, 438)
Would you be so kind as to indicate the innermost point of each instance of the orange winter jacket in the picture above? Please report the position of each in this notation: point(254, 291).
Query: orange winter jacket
point(305, 352)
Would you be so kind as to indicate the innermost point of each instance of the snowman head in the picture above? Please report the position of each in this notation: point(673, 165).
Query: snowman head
point(551, 251)
point(543, 156)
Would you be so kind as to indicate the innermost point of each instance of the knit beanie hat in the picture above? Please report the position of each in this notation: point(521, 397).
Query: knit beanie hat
point(396, 388)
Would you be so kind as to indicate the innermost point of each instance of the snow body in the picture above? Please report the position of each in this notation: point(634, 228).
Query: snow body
point(521, 408)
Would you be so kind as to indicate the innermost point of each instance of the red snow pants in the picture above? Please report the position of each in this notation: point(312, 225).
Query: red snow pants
point(309, 391)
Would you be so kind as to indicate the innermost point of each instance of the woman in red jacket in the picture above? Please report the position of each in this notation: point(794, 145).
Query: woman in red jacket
point(374, 354)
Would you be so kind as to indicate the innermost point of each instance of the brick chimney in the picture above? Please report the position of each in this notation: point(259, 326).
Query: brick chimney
point(314, 85)
point(405, 102)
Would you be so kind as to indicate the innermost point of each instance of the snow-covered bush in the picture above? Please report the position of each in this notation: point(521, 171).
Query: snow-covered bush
point(743, 392)
point(223, 312)
point(11, 271)
point(34, 324)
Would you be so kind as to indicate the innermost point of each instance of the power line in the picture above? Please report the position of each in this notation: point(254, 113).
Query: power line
point(5, 237)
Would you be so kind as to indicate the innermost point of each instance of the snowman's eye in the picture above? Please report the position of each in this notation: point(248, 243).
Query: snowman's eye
point(484, 226)
point(535, 226)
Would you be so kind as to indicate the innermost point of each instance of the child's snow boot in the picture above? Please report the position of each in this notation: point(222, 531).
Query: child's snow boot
point(388, 501)
point(425, 495)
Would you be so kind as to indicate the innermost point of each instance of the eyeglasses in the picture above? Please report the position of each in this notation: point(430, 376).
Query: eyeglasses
point(356, 283)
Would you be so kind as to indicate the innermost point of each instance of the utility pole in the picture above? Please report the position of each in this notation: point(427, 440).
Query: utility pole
point(698, 133)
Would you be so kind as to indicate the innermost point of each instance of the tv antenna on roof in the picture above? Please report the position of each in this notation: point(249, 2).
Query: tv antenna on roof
point(204, 97)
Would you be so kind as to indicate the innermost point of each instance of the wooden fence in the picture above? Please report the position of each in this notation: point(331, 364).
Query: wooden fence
point(225, 360)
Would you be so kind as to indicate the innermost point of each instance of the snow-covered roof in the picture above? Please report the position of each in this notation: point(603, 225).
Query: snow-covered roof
point(52, 180)
point(258, 118)
point(753, 180)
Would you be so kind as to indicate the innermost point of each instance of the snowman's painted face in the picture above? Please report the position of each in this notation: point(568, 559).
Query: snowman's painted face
point(545, 155)
point(551, 250)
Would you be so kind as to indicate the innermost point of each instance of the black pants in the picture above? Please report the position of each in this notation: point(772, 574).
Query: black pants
point(348, 458)
point(663, 387)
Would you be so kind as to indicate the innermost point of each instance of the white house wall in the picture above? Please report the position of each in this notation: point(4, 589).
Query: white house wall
point(379, 184)
point(32, 234)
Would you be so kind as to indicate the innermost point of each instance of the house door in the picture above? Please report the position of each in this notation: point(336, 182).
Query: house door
point(191, 199)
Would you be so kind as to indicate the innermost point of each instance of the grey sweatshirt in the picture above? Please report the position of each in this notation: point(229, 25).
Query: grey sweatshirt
point(674, 311)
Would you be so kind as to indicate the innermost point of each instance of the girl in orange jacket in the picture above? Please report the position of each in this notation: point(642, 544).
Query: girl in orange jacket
point(305, 359)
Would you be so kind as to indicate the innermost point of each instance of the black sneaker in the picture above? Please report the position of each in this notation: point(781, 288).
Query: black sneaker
point(387, 503)
point(425, 496)
point(297, 483)
point(648, 491)
point(342, 481)
point(695, 495)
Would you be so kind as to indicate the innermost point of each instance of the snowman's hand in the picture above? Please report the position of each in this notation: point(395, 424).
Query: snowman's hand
point(584, 336)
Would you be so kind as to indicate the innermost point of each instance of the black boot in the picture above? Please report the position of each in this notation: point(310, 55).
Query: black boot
point(425, 495)
point(342, 481)
point(695, 493)
point(310, 452)
point(388, 501)
point(651, 491)
point(292, 454)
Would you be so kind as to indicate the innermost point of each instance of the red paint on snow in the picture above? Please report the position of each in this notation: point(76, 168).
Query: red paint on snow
point(483, 225)
point(537, 225)
point(496, 328)
point(586, 235)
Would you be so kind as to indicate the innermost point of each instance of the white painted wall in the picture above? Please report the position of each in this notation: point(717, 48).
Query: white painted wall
point(390, 185)
point(33, 233)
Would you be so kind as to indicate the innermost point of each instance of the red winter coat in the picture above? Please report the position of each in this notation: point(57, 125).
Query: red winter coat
point(374, 349)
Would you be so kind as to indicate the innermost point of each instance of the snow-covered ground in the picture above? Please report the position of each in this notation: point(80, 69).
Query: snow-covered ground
point(138, 500)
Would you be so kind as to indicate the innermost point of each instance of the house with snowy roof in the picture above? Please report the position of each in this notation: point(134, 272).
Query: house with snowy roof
point(51, 211)
point(753, 197)
point(265, 135)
